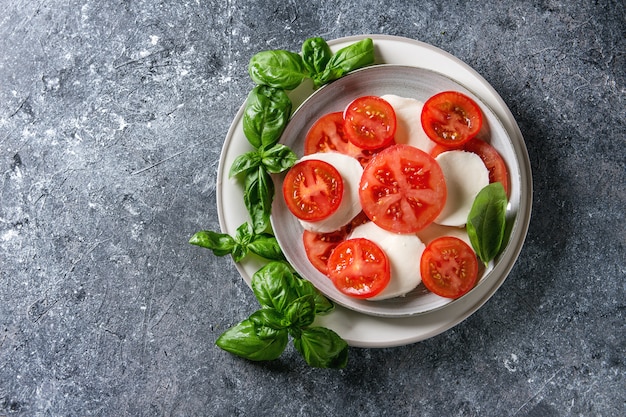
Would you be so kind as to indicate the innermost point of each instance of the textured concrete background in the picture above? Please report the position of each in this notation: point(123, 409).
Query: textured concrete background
point(112, 117)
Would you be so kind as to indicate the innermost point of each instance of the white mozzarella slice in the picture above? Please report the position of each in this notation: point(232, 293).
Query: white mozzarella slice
point(465, 175)
point(350, 170)
point(434, 231)
point(409, 126)
point(404, 252)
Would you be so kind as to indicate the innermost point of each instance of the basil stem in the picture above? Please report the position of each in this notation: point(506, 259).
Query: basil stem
point(486, 222)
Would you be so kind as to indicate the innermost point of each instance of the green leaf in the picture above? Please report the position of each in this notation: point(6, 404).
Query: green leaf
point(322, 348)
point(354, 56)
point(220, 243)
point(244, 163)
point(270, 318)
point(486, 221)
point(300, 312)
point(278, 158)
point(273, 286)
point(254, 341)
point(265, 116)
point(266, 246)
point(257, 197)
point(315, 54)
point(277, 68)
point(322, 304)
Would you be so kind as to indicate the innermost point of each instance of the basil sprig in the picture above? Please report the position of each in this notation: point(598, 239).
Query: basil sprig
point(244, 241)
point(288, 308)
point(266, 114)
point(486, 222)
point(287, 70)
point(288, 302)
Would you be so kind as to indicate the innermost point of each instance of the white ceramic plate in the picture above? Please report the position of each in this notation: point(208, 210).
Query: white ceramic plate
point(368, 330)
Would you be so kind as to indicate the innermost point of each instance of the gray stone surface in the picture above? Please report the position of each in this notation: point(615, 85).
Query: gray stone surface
point(112, 117)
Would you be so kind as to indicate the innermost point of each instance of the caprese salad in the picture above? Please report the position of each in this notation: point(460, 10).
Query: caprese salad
point(384, 190)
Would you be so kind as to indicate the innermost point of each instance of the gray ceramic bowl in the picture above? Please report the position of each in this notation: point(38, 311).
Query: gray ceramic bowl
point(408, 82)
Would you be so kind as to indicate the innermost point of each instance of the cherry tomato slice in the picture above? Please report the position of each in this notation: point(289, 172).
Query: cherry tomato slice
point(402, 189)
point(359, 268)
point(490, 157)
point(319, 246)
point(451, 118)
point(492, 160)
point(449, 267)
point(370, 122)
point(312, 190)
point(327, 135)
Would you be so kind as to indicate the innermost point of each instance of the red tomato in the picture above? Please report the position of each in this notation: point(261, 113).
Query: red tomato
point(451, 118)
point(490, 157)
point(359, 268)
point(449, 267)
point(319, 246)
point(313, 190)
point(327, 135)
point(492, 160)
point(370, 122)
point(402, 189)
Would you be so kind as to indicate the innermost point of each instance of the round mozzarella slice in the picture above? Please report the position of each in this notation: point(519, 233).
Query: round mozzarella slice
point(465, 175)
point(434, 231)
point(408, 118)
point(350, 170)
point(403, 251)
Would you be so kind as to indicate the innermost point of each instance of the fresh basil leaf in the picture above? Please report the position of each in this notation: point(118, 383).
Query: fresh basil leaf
point(265, 116)
point(315, 55)
point(266, 246)
point(244, 234)
point(254, 341)
point(277, 68)
point(322, 304)
point(278, 158)
point(257, 197)
point(270, 318)
point(354, 56)
point(244, 163)
point(300, 312)
point(486, 221)
point(220, 243)
point(322, 348)
point(273, 286)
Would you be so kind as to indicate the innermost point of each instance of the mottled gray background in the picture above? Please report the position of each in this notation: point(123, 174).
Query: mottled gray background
point(112, 117)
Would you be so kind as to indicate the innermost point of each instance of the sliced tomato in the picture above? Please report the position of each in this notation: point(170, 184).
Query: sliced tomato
point(327, 135)
point(402, 189)
point(370, 122)
point(490, 157)
point(359, 268)
point(319, 246)
point(492, 160)
point(449, 267)
point(312, 190)
point(451, 118)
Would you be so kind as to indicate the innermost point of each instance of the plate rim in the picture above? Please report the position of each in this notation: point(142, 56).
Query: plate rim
point(406, 330)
